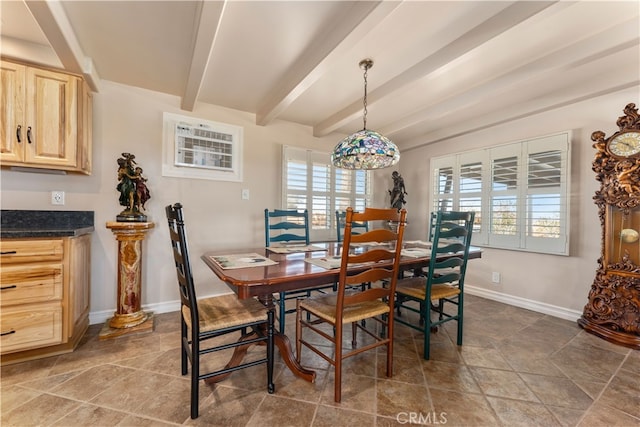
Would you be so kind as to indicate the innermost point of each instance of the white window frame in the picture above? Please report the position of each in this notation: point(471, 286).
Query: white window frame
point(324, 178)
point(521, 150)
point(173, 167)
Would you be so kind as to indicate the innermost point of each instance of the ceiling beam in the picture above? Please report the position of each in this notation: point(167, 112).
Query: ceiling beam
point(203, 44)
point(492, 27)
point(566, 57)
point(318, 58)
point(56, 27)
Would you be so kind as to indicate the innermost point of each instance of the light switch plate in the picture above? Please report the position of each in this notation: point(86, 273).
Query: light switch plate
point(245, 194)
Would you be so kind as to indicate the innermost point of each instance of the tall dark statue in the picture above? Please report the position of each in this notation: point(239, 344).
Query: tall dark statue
point(133, 189)
point(398, 192)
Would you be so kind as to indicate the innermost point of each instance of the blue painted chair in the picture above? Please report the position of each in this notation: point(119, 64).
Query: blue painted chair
point(441, 287)
point(208, 318)
point(288, 226)
point(356, 227)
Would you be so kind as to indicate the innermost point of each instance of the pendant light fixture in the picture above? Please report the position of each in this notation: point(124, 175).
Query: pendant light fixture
point(365, 149)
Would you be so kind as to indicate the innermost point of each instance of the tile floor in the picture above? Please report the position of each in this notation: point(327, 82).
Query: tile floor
point(516, 368)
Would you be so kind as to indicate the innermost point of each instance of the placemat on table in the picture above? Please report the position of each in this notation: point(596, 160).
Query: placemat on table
point(288, 249)
point(227, 262)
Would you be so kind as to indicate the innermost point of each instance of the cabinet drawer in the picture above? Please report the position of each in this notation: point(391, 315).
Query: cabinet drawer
point(30, 326)
point(15, 251)
point(30, 283)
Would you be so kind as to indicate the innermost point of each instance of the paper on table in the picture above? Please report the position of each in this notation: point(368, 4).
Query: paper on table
point(295, 248)
point(415, 252)
point(227, 262)
point(325, 262)
point(418, 243)
point(331, 262)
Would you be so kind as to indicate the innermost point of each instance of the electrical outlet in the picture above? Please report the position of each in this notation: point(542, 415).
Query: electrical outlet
point(57, 197)
point(495, 277)
point(245, 194)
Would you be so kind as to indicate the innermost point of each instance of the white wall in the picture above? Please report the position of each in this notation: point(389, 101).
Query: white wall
point(554, 284)
point(128, 119)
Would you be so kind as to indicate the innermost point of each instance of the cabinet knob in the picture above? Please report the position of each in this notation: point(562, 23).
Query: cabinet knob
point(8, 332)
point(29, 134)
point(8, 252)
point(19, 133)
point(8, 287)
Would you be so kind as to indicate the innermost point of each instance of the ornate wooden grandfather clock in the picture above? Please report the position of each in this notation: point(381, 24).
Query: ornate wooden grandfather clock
point(613, 310)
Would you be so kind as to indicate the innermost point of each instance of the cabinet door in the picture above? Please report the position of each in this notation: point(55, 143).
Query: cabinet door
point(79, 284)
point(52, 118)
point(13, 130)
point(85, 128)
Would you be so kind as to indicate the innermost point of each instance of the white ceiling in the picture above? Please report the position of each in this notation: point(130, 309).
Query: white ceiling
point(442, 68)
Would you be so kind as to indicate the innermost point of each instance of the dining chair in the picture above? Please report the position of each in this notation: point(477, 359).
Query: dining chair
point(207, 318)
point(440, 287)
point(356, 227)
point(350, 305)
point(284, 226)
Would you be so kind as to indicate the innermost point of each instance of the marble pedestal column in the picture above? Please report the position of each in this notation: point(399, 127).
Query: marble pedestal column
point(129, 316)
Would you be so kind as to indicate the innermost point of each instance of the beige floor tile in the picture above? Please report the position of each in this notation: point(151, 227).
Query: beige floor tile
point(330, 416)
point(601, 415)
point(462, 409)
point(394, 397)
point(516, 413)
point(280, 411)
point(515, 368)
point(508, 384)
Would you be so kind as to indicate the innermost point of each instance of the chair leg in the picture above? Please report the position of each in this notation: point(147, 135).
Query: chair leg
point(298, 330)
point(337, 386)
point(282, 312)
point(354, 342)
point(426, 315)
point(271, 388)
point(184, 351)
point(195, 381)
point(460, 318)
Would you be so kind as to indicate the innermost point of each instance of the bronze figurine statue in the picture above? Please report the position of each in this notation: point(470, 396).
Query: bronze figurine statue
point(398, 192)
point(133, 189)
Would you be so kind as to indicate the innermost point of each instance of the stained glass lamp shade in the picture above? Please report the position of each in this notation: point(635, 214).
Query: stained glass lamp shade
point(365, 149)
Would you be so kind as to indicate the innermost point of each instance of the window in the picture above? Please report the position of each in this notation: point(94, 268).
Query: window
point(194, 148)
point(519, 192)
point(311, 182)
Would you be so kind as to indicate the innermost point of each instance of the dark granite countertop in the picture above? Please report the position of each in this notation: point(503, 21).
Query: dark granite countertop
point(26, 223)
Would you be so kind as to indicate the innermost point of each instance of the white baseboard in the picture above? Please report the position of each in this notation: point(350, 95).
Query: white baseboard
point(539, 307)
point(163, 307)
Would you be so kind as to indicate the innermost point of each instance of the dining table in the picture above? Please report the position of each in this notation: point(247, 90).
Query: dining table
point(261, 272)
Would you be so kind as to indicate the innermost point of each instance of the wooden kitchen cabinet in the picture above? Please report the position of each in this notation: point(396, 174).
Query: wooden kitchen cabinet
point(46, 119)
point(44, 296)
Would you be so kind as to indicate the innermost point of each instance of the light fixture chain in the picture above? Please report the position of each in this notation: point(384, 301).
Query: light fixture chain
point(364, 102)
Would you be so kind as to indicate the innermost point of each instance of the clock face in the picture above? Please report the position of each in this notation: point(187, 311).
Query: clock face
point(626, 144)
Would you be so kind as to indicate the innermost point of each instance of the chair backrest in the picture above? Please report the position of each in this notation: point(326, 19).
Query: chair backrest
point(382, 261)
point(178, 236)
point(285, 226)
point(451, 236)
point(356, 227)
point(432, 224)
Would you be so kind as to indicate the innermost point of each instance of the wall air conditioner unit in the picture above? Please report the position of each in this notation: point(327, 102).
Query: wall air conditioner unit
point(200, 149)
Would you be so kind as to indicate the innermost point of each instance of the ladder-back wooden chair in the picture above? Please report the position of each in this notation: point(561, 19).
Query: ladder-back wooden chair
point(207, 318)
point(351, 305)
point(440, 289)
point(286, 226)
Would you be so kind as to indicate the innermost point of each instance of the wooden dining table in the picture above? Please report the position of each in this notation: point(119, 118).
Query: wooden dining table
point(291, 271)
